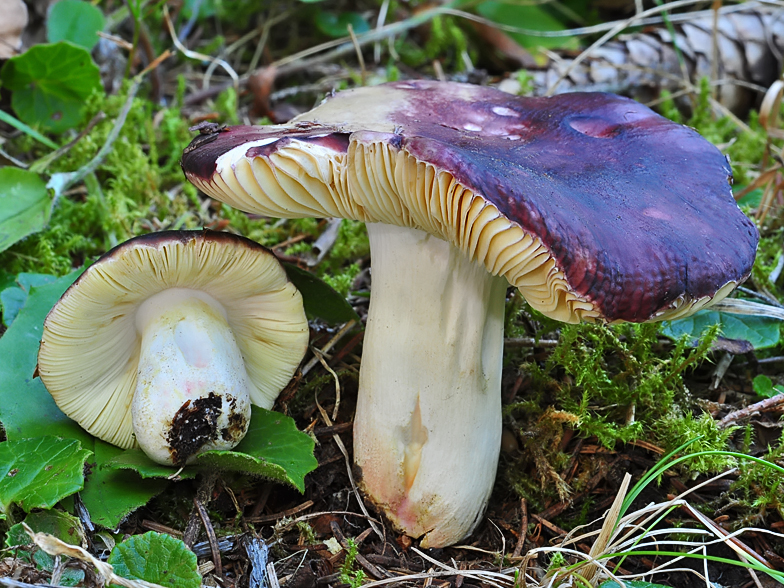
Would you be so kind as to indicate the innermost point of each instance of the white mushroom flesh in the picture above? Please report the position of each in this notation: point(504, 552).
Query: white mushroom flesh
point(427, 431)
point(192, 392)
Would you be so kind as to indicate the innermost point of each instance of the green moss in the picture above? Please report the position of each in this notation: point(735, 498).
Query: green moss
point(617, 383)
point(680, 426)
point(133, 191)
point(342, 281)
point(446, 42)
point(351, 244)
point(760, 489)
point(768, 255)
point(614, 383)
point(226, 105)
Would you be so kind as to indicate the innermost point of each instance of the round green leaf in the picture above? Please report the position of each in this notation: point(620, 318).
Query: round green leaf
point(75, 21)
point(24, 205)
point(62, 525)
point(336, 24)
point(158, 558)
point(50, 84)
point(37, 473)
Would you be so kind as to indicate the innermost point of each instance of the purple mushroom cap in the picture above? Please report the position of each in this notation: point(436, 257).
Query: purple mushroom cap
point(635, 211)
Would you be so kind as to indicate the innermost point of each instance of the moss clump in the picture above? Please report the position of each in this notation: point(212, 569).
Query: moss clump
point(614, 384)
point(136, 186)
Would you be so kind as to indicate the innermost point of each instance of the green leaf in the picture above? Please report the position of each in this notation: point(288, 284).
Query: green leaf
point(50, 84)
point(531, 17)
point(158, 558)
point(11, 302)
point(320, 299)
point(336, 24)
point(26, 408)
point(62, 525)
point(111, 495)
point(761, 332)
point(75, 21)
point(13, 299)
point(37, 473)
point(65, 527)
point(763, 386)
point(753, 199)
point(7, 280)
point(137, 460)
point(207, 8)
point(24, 205)
point(273, 448)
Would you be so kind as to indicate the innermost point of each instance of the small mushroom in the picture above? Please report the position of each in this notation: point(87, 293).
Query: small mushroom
point(595, 207)
point(168, 338)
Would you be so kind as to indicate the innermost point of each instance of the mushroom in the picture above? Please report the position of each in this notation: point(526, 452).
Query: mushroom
point(12, 26)
point(595, 207)
point(168, 338)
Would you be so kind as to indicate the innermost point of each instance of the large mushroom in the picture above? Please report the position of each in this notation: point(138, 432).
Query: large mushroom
point(167, 339)
point(595, 207)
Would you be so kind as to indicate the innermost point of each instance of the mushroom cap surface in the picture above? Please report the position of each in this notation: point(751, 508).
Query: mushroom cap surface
point(90, 347)
point(594, 206)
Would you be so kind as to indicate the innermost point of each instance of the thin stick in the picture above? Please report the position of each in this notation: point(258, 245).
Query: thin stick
point(769, 404)
point(62, 181)
point(523, 528)
point(205, 520)
point(358, 49)
point(330, 344)
point(196, 55)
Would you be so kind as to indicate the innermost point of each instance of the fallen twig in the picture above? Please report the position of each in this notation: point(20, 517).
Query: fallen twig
point(215, 552)
point(523, 528)
point(768, 405)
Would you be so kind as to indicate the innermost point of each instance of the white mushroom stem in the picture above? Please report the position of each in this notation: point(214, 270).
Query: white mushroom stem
point(427, 431)
point(192, 391)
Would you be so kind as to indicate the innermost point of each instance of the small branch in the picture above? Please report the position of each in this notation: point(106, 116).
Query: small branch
point(44, 162)
point(330, 344)
point(205, 520)
point(280, 515)
point(767, 405)
point(62, 181)
point(518, 550)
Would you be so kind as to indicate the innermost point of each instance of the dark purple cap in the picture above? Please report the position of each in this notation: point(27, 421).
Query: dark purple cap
point(620, 214)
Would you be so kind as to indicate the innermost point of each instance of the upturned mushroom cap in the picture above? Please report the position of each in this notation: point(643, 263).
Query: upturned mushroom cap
point(91, 346)
point(595, 207)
